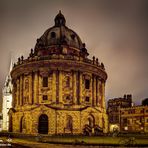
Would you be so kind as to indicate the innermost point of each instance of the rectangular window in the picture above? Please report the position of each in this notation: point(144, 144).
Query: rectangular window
point(125, 121)
point(87, 84)
point(142, 111)
point(45, 97)
point(45, 81)
point(87, 99)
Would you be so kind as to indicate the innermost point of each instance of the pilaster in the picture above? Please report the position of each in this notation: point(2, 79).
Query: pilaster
point(97, 95)
point(94, 90)
point(103, 94)
point(35, 87)
point(30, 88)
point(18, 93)
point(74, 88)
point(60, 86)
point(80, 87)
point(54, 86)
point(21, 89)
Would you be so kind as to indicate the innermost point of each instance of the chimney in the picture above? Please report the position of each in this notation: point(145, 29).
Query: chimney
point(124, 96)
point(129, 96)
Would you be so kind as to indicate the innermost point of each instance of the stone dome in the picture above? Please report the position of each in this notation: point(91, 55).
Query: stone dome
point(59, 34)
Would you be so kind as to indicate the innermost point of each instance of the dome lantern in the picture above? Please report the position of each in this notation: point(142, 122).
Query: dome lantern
point(60, 19)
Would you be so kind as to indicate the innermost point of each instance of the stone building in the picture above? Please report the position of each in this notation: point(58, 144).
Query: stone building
point(7, 101)
point(1, 121)
point(113, 110)
point(134, 119)
point(58, 89)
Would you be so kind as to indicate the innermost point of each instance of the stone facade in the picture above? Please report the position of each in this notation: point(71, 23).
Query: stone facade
point(113, 110)
point(134, 119)
point(57, 89)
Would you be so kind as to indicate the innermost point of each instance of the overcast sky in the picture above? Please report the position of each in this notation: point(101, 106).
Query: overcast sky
point(115, 31)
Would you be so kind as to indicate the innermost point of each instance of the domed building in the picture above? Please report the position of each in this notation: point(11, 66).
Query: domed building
point(58, 89)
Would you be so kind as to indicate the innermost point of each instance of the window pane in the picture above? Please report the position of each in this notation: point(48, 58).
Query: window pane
point(45, 97)
point(87, 83)
point(45, 81)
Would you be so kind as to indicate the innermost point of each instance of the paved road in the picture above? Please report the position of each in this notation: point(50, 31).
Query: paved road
point(45, 145)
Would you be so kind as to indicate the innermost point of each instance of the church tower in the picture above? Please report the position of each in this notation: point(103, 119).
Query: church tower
point(7, 100)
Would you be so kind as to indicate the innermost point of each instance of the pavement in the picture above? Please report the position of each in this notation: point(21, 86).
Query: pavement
point(23, 143)
point(29, 143)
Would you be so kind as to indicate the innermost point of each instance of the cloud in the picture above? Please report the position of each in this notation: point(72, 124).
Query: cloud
point(114, 31)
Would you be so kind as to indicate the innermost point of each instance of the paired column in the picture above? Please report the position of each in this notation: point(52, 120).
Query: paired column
point(74, 88)
point(36, 83)
point(94, 90)
point(103, 94)
point(80, 87)
point(21, 90)
point(97, 92)
point(54, 86)
point(30, 88)
point(18, 92)
point(60, 86)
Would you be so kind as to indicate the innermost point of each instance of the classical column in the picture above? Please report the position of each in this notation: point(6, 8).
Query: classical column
point(60, 87)
point(94, 91)
point(103, 94)
point(54, 86)
point(36, 87)
point(97, 95)
point(57, 86)
point(74, 88)
point(21, 89)
point(18, 93)
point(80, 87)
point(30, 88)
point(39, 86)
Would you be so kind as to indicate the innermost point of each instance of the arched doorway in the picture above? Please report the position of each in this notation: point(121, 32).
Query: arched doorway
point(43, 124)
point(89, 126)
point(10, 123)
point(69, 124)
point(22, 124)
point(91, 121)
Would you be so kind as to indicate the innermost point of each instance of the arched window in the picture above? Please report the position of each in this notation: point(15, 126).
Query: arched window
point(26, 85)
point(69, 122)
point(91, 121)
point(45, 81)
point(87, 83)
point(22, 124)
point(73, 36)
point(53, 34)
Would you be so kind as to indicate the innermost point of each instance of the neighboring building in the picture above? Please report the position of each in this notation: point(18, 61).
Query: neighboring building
point(7, 101)
point(134, 119)
point(113, 110)
point(1, 121)
point(58, 89)
point(145, 102)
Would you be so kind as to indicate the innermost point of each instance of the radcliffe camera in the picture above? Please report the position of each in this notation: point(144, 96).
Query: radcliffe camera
point(67, 91)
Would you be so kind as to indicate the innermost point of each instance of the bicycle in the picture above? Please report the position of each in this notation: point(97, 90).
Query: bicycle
point(130, 141)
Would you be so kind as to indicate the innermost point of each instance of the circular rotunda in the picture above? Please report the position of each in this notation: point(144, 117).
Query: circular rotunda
point(58, 89)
